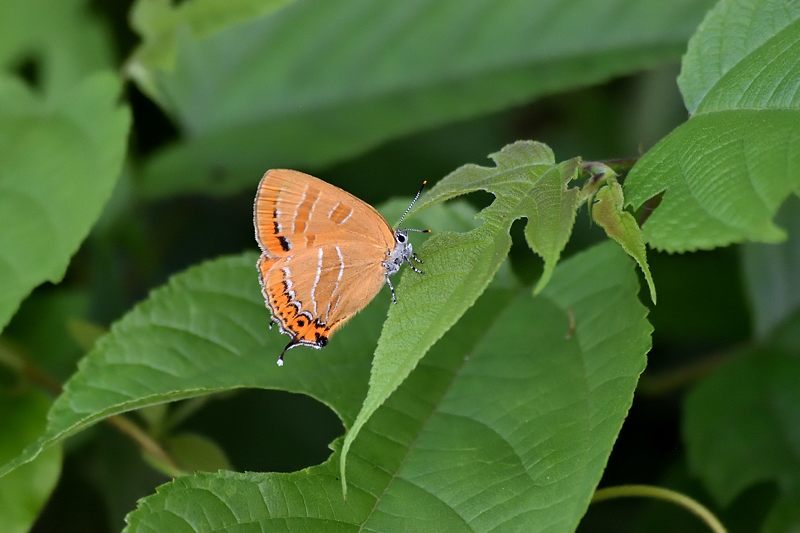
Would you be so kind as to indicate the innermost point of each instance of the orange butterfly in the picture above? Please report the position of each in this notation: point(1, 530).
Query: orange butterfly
point(325, 254)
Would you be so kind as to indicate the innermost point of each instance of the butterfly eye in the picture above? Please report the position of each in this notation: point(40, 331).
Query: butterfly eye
point(401, 238)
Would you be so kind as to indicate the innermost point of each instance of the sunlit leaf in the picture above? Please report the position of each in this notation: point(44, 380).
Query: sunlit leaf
point(60, 162)
point(317, 82)
point(506, 425)
point(608, 212)
point(725, 172)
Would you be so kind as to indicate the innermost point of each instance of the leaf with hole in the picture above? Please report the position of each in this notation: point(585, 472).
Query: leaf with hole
point(505, 425)
point(57, 51)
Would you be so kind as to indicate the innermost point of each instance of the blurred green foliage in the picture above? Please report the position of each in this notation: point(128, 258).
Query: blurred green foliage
point(132, 135)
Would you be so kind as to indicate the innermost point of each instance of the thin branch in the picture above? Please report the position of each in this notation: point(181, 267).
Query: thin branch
point(621, 165)
point(15, 360)
point(127, 427)
point(677, 378)
point(659, 493)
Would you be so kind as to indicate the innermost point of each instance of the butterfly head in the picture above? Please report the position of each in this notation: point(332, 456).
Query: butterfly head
point(401, 253)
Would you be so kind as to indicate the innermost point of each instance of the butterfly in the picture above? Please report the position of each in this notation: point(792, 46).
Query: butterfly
point(325, 254)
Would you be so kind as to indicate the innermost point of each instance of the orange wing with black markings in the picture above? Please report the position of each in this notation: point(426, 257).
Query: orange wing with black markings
point(294, 211)
point(322, 254)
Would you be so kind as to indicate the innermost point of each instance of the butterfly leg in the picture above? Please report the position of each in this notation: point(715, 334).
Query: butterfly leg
point(411, 265)
point(391, 288)
point(416, 258)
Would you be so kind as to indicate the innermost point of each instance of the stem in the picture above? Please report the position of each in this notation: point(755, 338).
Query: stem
point(659, 493)
point(16, 361)
point(125, 426)
point(674, 379)
point(620, 166)
point(12, 357)
point(183, 411)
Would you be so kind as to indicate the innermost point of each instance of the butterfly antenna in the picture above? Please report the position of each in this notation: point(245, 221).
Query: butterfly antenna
point(408, 209)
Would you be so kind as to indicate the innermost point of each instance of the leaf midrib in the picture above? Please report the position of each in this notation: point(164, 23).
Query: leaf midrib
point(455, 372)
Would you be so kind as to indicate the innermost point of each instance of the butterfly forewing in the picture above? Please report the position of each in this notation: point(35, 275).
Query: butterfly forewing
point(294, 211)
point(323, 253)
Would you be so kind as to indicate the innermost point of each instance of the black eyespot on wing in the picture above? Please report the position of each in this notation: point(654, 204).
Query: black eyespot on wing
point(284, 243)
point(301, 322)
point(321, 340)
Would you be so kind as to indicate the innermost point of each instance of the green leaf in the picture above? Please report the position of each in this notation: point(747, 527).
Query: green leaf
point(551, 215)
point(741, 423)
point(195, 452)
point(458, 266)
point(770, 273)
point(506, 425)
point(317, 82)
point(60, 162)
point(608, 212)
point(206, 331)
point(725, 172)
point(159, 22)
point(24, 492)
point(62, 47)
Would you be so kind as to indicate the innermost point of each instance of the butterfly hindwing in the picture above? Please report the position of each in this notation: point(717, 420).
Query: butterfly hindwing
point(314, 292)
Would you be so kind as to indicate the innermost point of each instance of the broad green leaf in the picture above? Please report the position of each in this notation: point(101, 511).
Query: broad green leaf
point(741, 425)
point(608, 211)
point(770, 273)
point(506, 425)
point(733, 35)
point(24, 492)
point(159, 22)
point(206, 331)
point(458, 266)
point(62, 41)
point(60, 162)
point(725, 172)
point(317, 82)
